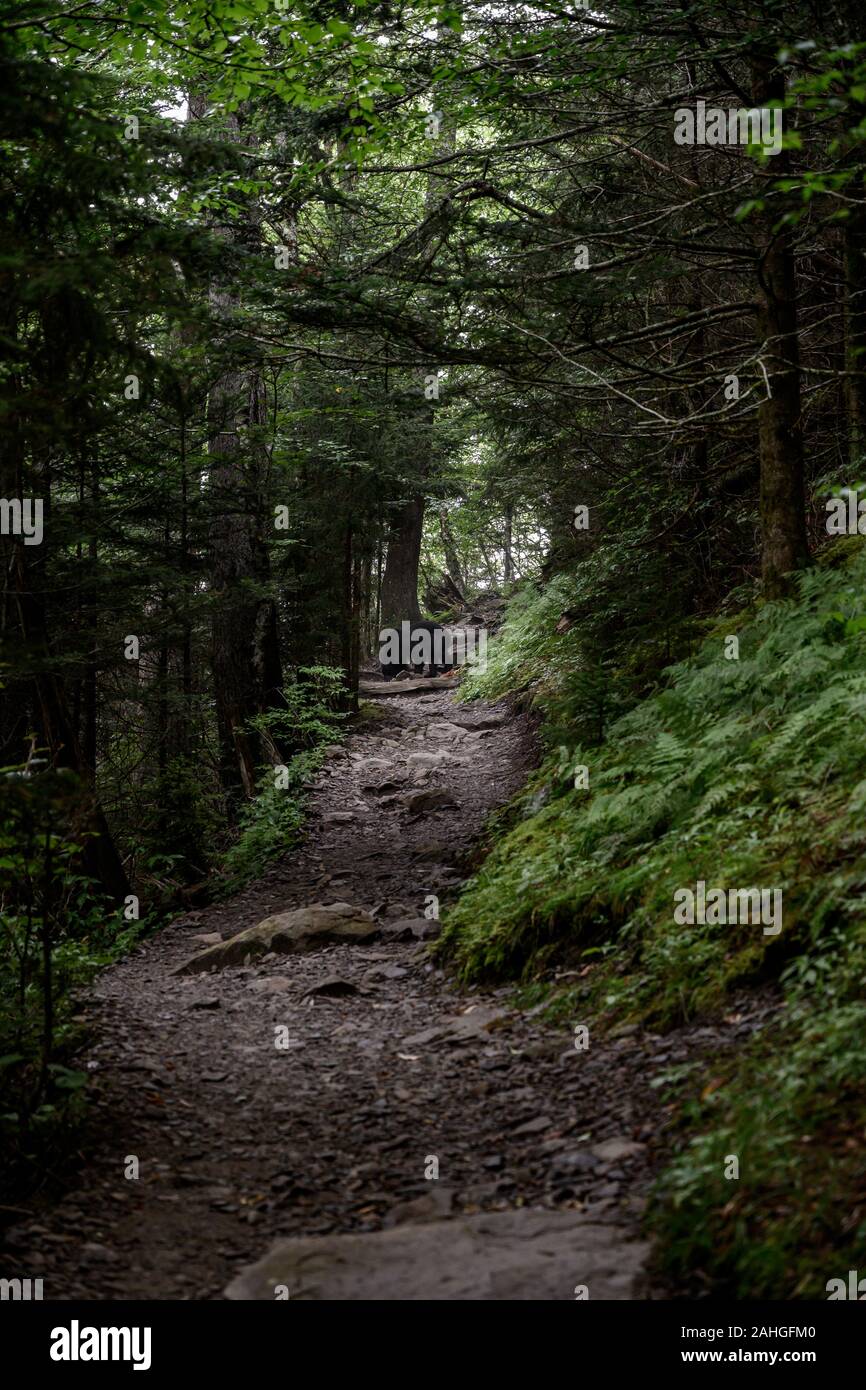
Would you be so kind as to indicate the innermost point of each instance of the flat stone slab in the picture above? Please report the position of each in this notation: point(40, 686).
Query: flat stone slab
point(612, 1150)
point(473, 1026)
point(527, 1254)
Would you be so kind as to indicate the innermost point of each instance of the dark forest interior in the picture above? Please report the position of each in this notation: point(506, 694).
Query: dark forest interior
point(543, 323)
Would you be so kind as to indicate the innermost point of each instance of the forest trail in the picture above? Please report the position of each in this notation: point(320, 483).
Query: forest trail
point(544, 1153)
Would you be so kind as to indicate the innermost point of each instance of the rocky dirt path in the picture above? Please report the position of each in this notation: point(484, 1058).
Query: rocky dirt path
point(378, 1083)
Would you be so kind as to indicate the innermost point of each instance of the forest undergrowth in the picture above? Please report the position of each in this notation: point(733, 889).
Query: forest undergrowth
point(743, 772)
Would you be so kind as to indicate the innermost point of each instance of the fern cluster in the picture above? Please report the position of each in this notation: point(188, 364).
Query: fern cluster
point(743, 771)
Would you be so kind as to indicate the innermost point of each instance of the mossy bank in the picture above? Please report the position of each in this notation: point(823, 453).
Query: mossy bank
point(744, 768)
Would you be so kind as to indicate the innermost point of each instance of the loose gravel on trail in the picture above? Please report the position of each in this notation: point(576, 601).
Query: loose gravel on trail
point(318, 1094)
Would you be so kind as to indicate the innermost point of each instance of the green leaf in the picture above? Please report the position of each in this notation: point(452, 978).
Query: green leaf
point(66, 1078)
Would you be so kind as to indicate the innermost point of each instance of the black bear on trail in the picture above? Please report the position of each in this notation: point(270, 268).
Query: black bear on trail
point(415, 645)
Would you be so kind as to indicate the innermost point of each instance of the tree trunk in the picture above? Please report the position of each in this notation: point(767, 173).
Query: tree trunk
point(855, 274)
point(855, 334)
point(785, 546)
point(507, 560)
point(246, 663)
point(245, 654)
point(55, 732)
point(400, 580)
point(452, 558)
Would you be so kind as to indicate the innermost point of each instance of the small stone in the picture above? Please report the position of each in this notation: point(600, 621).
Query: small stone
point(387, 972)
point(580, 1162)
point(610, 1189)
point(421, 803)
point(428, 1035)
point(543, 1049)
point(612, 1149)
point(412, 928)
point(426, 928)
point(434, 1205)
point(91, 1251)
point(535, 1126)
point(332, 987)
point(434, 851)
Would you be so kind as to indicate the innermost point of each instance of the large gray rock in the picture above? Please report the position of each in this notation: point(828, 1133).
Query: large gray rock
point(443, 731)
point(305, 929)
point(428, 758)
point(509, 1255)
